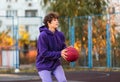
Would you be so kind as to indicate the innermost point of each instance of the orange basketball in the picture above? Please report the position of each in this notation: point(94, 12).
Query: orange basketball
point(72, 54)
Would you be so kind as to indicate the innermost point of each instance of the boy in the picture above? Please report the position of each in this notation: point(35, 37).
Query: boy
point(50, 47)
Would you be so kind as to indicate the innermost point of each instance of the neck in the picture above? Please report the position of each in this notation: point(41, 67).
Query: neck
point(52, 29)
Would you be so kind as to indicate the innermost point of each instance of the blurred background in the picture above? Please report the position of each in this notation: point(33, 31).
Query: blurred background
point(91, 26)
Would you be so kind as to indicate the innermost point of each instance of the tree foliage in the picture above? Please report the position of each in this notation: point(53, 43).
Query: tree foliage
point(6, 41)
point(72, 8)
point(24, 36)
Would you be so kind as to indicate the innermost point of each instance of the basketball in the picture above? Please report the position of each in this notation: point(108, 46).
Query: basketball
point(72, 54)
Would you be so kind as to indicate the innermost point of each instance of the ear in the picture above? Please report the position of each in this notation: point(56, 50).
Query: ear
point(48, 22)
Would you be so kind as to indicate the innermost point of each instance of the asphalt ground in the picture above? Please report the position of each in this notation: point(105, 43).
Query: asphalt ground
point(72, 76)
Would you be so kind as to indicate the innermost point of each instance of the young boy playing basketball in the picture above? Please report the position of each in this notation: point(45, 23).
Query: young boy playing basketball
point(50, 47)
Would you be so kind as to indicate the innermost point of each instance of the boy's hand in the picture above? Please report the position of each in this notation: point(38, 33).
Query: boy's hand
point(64, 53)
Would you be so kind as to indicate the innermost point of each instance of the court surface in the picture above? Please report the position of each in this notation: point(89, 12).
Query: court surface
point(73, 76)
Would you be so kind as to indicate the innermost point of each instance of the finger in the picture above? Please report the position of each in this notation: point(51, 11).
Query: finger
point(65, 50)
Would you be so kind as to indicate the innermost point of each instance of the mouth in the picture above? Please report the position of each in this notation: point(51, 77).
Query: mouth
point(57, 24)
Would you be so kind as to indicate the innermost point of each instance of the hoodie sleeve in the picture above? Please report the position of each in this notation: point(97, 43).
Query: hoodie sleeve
point(43, 48)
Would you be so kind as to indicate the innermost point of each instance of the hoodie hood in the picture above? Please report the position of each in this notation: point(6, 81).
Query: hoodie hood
point(45, 29)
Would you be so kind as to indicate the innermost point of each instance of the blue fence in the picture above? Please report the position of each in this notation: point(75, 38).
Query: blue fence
point(98, 48)
point(95, 37)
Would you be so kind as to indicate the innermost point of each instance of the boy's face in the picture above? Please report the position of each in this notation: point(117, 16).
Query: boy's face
point(54, 23)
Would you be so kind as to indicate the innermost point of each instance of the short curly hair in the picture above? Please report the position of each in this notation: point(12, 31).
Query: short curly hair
point(49, 17)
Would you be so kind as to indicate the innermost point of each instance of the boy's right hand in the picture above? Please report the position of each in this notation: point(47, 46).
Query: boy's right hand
point(64, 53)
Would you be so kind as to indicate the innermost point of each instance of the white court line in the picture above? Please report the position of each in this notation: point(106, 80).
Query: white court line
point(72, 81)
point(103, 75)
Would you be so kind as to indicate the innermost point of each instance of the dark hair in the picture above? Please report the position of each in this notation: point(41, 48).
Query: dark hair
point(49, 17)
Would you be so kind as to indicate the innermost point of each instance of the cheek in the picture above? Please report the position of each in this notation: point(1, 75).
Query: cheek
point(53, 23)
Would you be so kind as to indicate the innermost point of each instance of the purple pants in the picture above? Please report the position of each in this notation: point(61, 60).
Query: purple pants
point(59, 74)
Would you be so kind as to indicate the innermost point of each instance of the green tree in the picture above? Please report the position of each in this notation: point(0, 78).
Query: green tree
point(72, 8)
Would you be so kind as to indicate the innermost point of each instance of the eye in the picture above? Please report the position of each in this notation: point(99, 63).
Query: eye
point(55, 19)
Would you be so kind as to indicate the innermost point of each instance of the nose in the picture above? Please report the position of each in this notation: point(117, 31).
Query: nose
point(57, 21)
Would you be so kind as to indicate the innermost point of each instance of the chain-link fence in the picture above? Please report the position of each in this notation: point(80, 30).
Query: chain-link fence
point(95, 37)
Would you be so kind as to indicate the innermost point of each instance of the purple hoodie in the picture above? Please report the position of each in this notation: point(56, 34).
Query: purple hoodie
point(49, 46)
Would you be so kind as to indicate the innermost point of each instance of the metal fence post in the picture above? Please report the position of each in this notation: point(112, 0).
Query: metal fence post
point(72, 37)
point(15, 30)
point(108, 42)
point(90, 62)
